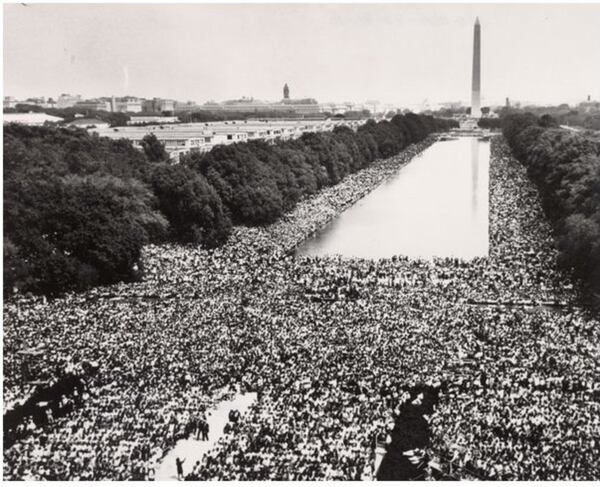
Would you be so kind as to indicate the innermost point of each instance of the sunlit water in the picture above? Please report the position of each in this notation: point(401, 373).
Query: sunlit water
point(436, 206)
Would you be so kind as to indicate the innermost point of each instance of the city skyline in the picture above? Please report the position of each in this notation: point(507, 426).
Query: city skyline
point(328, 52)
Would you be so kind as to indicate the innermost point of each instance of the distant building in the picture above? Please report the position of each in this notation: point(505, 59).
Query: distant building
point(37, 101)
point(589, 106)
point(211, 106)
point(306, 109)
point(188, 106)
point(373, 106)
point(176, 142)
point(10, 102)
point(451, 105)
point(95, 105)
point(286, 92)
point(251, 106)
point(31, 119)
point(65, 100)
point(336, 108)
point(127, 104)
point(202, 137)
point(158, 105)
point(142, 120)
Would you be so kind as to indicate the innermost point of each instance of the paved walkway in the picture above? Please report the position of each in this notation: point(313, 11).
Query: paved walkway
point(193, 450)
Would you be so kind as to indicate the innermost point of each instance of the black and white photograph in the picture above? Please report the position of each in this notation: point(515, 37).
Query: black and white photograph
point(301, 241)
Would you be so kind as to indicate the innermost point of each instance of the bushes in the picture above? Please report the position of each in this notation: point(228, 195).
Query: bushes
point(566, 168)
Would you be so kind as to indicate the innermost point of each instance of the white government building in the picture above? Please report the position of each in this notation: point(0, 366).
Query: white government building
point(180, 138)
point(202, 137)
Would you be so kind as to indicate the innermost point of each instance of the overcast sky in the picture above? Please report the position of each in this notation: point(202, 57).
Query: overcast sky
point(399, 53)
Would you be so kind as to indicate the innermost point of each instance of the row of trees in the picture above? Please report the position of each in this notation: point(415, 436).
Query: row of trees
point(585, 115)
point(78, 208)
point(219, 116)
point(566, 168)
point(258, 182)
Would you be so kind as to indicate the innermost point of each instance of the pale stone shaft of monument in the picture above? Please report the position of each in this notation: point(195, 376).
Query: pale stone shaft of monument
point(476, 91)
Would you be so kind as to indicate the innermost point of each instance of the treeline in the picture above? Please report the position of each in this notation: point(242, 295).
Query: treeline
point(565, 166)
point(197, 116)
point(201, 116)
point(587, 116)
point(78, 208)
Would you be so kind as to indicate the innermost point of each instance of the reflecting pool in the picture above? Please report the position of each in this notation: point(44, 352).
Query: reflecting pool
point(437, 205)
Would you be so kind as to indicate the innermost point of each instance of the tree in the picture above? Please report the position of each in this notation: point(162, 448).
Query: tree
point(192, 206)
point(115, 119)
point(154, 149)
point(547, 121)
point(76, 212)
point(75, 232)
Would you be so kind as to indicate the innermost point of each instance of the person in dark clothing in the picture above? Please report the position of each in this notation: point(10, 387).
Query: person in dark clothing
point(200, 420)
point(483, 379)
point(179, 468)
point(204, 430)
point(195, 424)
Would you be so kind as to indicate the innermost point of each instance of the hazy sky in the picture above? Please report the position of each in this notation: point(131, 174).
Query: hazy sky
point(390, 52)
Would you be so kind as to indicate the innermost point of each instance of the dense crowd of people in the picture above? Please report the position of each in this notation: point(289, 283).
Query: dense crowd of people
point(331, 346)
point(564, 166)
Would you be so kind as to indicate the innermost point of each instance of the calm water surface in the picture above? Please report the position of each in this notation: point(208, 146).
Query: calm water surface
point(436, 206)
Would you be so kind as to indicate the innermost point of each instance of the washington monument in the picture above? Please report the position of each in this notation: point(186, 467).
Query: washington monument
point(476, 90)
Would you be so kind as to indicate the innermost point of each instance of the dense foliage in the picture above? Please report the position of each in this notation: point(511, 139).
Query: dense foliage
point(584, 115)
point(73, 232)
point(490, 123)
point(211, 115)
point(193, 208)
point(565, 166)
point(154, 149)
point(78, 208)
point(258, 182)
point(208, 115)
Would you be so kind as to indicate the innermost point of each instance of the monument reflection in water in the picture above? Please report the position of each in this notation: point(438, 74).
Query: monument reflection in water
point(436, 206)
